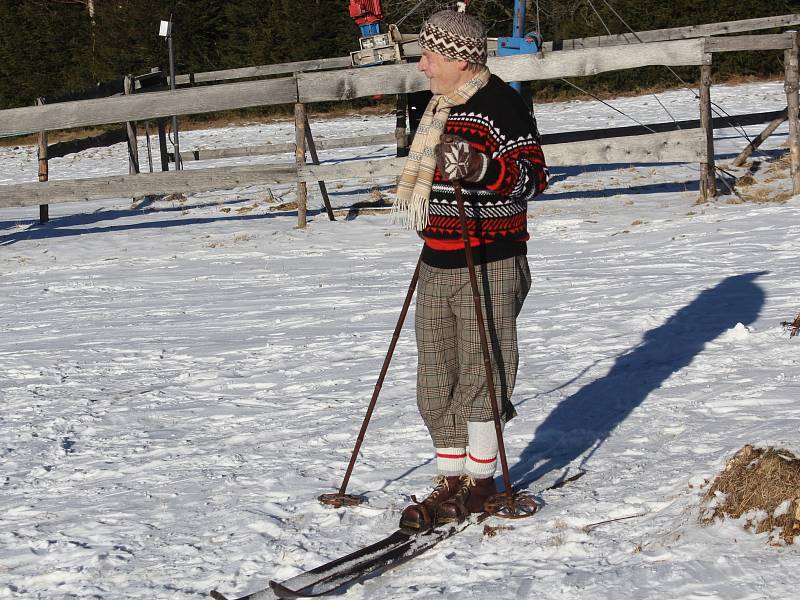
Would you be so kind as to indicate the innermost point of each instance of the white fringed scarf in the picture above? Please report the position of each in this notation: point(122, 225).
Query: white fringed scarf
point(410, 209)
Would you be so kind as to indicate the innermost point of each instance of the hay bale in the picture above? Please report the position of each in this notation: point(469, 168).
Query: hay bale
point(763, 485)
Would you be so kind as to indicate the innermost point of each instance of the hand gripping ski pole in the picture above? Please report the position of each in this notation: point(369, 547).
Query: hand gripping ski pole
point(506, 504)
point(342, 498)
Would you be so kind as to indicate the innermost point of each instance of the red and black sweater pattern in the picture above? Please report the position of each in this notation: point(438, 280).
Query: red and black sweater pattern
point(494, 121)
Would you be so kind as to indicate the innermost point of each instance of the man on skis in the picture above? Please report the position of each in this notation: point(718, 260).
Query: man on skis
point(476, 131)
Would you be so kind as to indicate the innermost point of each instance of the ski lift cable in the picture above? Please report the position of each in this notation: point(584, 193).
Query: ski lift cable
point(602, 22)
point(661, 104)
point(409, 13)
point(624, 114)
point(715, 107)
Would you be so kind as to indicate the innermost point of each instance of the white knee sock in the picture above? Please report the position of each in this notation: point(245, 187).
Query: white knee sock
point(450, 461)
point(482, 457)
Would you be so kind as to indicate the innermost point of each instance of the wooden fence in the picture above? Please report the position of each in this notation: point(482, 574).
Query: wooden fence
point(301, 88)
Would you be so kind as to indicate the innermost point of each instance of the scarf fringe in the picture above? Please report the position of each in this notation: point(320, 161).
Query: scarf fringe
point(410, 213)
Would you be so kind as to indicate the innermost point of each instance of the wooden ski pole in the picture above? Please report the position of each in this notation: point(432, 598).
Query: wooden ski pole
point(487, 362)
point(342, 498)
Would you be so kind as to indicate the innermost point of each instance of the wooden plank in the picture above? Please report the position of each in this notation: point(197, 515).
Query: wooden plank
point(675, 146)
point(548, 138)
point(141, 107)
point(356, 83)
point(129, 186)
point(760, 138)
point(404, 78)
point(267, 149)
point(678, 33)
point(678, 146)
point(341, 62)
point(363, 169)
point(579, 63)
point(411, 48)
point(741, 43)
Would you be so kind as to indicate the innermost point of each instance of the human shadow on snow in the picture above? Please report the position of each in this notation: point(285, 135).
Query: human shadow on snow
point(579, 424)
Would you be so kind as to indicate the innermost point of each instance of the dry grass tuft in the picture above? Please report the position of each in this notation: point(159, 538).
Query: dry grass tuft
point(780, 165)
point(762, 195)
point(763, 485)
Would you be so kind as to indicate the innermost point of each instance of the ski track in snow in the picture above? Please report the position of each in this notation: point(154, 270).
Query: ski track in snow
point(181, 379)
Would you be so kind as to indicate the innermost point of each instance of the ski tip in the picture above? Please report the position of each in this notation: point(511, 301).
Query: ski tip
point(217, 596)
point(282, 591)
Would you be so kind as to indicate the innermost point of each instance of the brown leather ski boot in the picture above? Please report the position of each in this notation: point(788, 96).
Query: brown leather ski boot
point(421, 516)
point(470, 498)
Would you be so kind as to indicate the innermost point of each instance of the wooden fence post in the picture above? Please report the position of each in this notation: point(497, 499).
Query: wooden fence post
point(44, 168)
point(792, 85)
point(133, 145)
point(300, 159)
point(162, 143)
point(708, 176)
point(400, 134)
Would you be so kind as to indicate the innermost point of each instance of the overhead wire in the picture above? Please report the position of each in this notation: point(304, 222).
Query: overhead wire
point(409, 13)
point(623, 113)
point(719, 110)
point(591, 4)
point(599, 16)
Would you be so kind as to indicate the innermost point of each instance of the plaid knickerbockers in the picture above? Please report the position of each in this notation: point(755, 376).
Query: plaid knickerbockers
point(451, 377)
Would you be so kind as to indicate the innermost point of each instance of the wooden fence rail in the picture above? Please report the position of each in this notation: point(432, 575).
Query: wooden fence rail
point(334, 85)
point(411, 48)
point(343, 85)
point(680, 146)
point(679, 33)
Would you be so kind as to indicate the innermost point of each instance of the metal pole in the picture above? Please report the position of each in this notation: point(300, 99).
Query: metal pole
point(342, 498)
point(487, 361)
point(519, 24)
point(178, 162)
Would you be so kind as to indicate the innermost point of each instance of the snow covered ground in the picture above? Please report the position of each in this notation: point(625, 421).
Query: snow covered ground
point(180, 379)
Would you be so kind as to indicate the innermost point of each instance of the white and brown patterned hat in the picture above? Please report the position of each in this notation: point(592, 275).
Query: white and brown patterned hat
point(456, 35)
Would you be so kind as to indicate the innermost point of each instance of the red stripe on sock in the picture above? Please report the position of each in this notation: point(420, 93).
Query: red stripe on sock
point(450, 455)
point(483, 461)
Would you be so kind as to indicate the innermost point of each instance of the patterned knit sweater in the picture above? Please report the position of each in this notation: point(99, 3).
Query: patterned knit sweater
point(497, 122)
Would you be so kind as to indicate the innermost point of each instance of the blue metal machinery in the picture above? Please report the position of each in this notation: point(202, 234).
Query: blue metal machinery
point(530, 43)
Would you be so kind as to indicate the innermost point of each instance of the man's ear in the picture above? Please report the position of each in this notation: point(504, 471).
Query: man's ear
point(463, 65)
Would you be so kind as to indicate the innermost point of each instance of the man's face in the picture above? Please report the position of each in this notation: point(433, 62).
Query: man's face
point(445, 75)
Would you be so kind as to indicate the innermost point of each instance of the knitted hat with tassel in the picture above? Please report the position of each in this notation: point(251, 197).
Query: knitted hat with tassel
point(456, 35)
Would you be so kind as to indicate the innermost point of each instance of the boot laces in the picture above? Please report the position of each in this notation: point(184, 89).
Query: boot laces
point(441, 485)
point(467, 483)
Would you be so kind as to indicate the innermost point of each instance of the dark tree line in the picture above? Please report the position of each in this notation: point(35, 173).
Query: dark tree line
point(49, 47)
